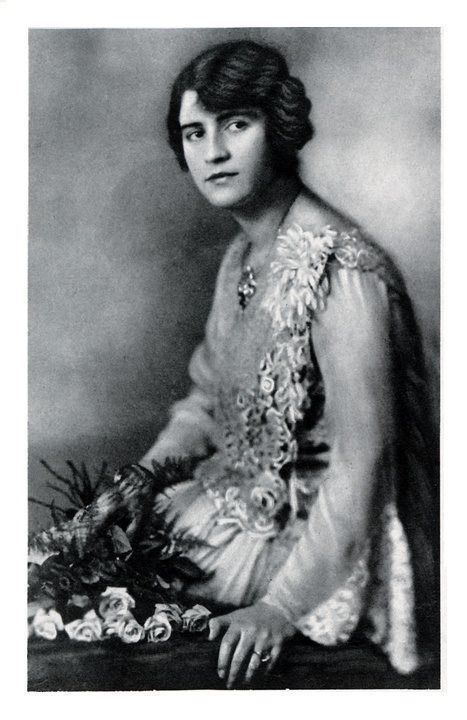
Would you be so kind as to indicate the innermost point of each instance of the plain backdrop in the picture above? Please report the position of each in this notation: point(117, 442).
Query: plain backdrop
point(123, 252)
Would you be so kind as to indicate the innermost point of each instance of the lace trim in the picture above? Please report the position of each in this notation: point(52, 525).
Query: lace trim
point(393, 601)
point(336, 618)
point(258, 435)
point(351, 251)
point(391, 611)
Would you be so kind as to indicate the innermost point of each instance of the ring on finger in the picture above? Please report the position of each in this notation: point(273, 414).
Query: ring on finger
point(263, 658)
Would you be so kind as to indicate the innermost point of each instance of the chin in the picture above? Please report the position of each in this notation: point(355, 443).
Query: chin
point(228, 200)
point(222, 203)
point(225, 200)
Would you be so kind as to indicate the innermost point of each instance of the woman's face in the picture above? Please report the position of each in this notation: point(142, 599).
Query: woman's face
point(226, 152)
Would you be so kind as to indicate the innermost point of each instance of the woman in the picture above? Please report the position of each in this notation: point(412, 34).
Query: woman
point(307, 415)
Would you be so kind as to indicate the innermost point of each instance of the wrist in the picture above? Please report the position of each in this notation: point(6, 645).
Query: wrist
point(267, 608)
point(269, 604)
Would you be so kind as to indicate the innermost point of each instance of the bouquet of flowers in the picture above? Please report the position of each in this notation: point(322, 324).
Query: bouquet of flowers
point(109, 567)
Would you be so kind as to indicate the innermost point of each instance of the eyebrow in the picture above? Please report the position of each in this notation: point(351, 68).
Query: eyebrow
point(224, 115)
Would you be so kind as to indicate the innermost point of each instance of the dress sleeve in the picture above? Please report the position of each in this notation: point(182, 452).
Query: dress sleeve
point(191, 429)
point(321, 586)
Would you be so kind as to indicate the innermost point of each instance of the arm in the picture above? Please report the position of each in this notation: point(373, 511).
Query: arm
point(191, 429)
point(351, 342)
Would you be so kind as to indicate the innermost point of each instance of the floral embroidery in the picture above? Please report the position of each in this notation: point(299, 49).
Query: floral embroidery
point(352, 252)
point(299, 283)
point(251, 503)
point(298, 279)
point(258, 424)
point(259, 436)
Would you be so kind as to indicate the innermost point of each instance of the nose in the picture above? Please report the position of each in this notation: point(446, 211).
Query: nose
point(216, 149)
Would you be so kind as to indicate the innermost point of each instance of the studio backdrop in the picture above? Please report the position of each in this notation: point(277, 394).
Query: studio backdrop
point(123, 251)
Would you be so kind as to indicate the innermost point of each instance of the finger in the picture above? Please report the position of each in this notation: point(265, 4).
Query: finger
point(216, 625)
point(255, 660)
point(275, 652)
point(239, 658)
point(226, 650)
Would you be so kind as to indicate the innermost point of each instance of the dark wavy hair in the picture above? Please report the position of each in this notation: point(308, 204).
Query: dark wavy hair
point(246, 74)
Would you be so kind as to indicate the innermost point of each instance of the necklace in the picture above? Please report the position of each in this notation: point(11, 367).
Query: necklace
point(246, 287)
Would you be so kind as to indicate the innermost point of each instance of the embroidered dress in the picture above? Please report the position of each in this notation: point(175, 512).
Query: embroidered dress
point(294, 418)
point(308, 418)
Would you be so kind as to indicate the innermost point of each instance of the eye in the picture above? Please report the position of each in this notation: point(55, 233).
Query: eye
point(237, 125)
point(193, 135)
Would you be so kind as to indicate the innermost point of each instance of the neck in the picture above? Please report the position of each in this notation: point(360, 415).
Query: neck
point(261, 218)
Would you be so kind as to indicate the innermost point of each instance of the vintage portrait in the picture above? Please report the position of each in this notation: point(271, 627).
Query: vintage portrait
point(233, 358)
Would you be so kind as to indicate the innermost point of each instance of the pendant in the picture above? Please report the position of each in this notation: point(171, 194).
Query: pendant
point(246, 287)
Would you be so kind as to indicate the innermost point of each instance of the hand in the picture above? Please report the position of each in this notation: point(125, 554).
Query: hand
point(129, 499)
point(136, 490)
point(250, 633)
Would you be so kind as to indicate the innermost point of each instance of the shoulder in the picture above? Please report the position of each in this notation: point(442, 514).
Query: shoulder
point(314, 213)
point(355, 276)
point(323, 263)
point(351, 247)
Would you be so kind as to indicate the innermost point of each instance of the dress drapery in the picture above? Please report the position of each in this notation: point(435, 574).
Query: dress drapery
point(307, 416)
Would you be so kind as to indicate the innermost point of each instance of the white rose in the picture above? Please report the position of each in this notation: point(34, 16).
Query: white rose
point(130, 631)
point(88, 629)
point(196, 619)
point(158, 628)
point(46, 624)
point(127, 628)
point(112, 625)
point(116, 602)
point(172, 611)
point(35, 605)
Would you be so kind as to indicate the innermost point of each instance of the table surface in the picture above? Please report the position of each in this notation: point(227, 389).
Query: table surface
point(189, 662)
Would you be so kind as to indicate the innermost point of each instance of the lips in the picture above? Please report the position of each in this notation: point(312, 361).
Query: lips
point(217, 176)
